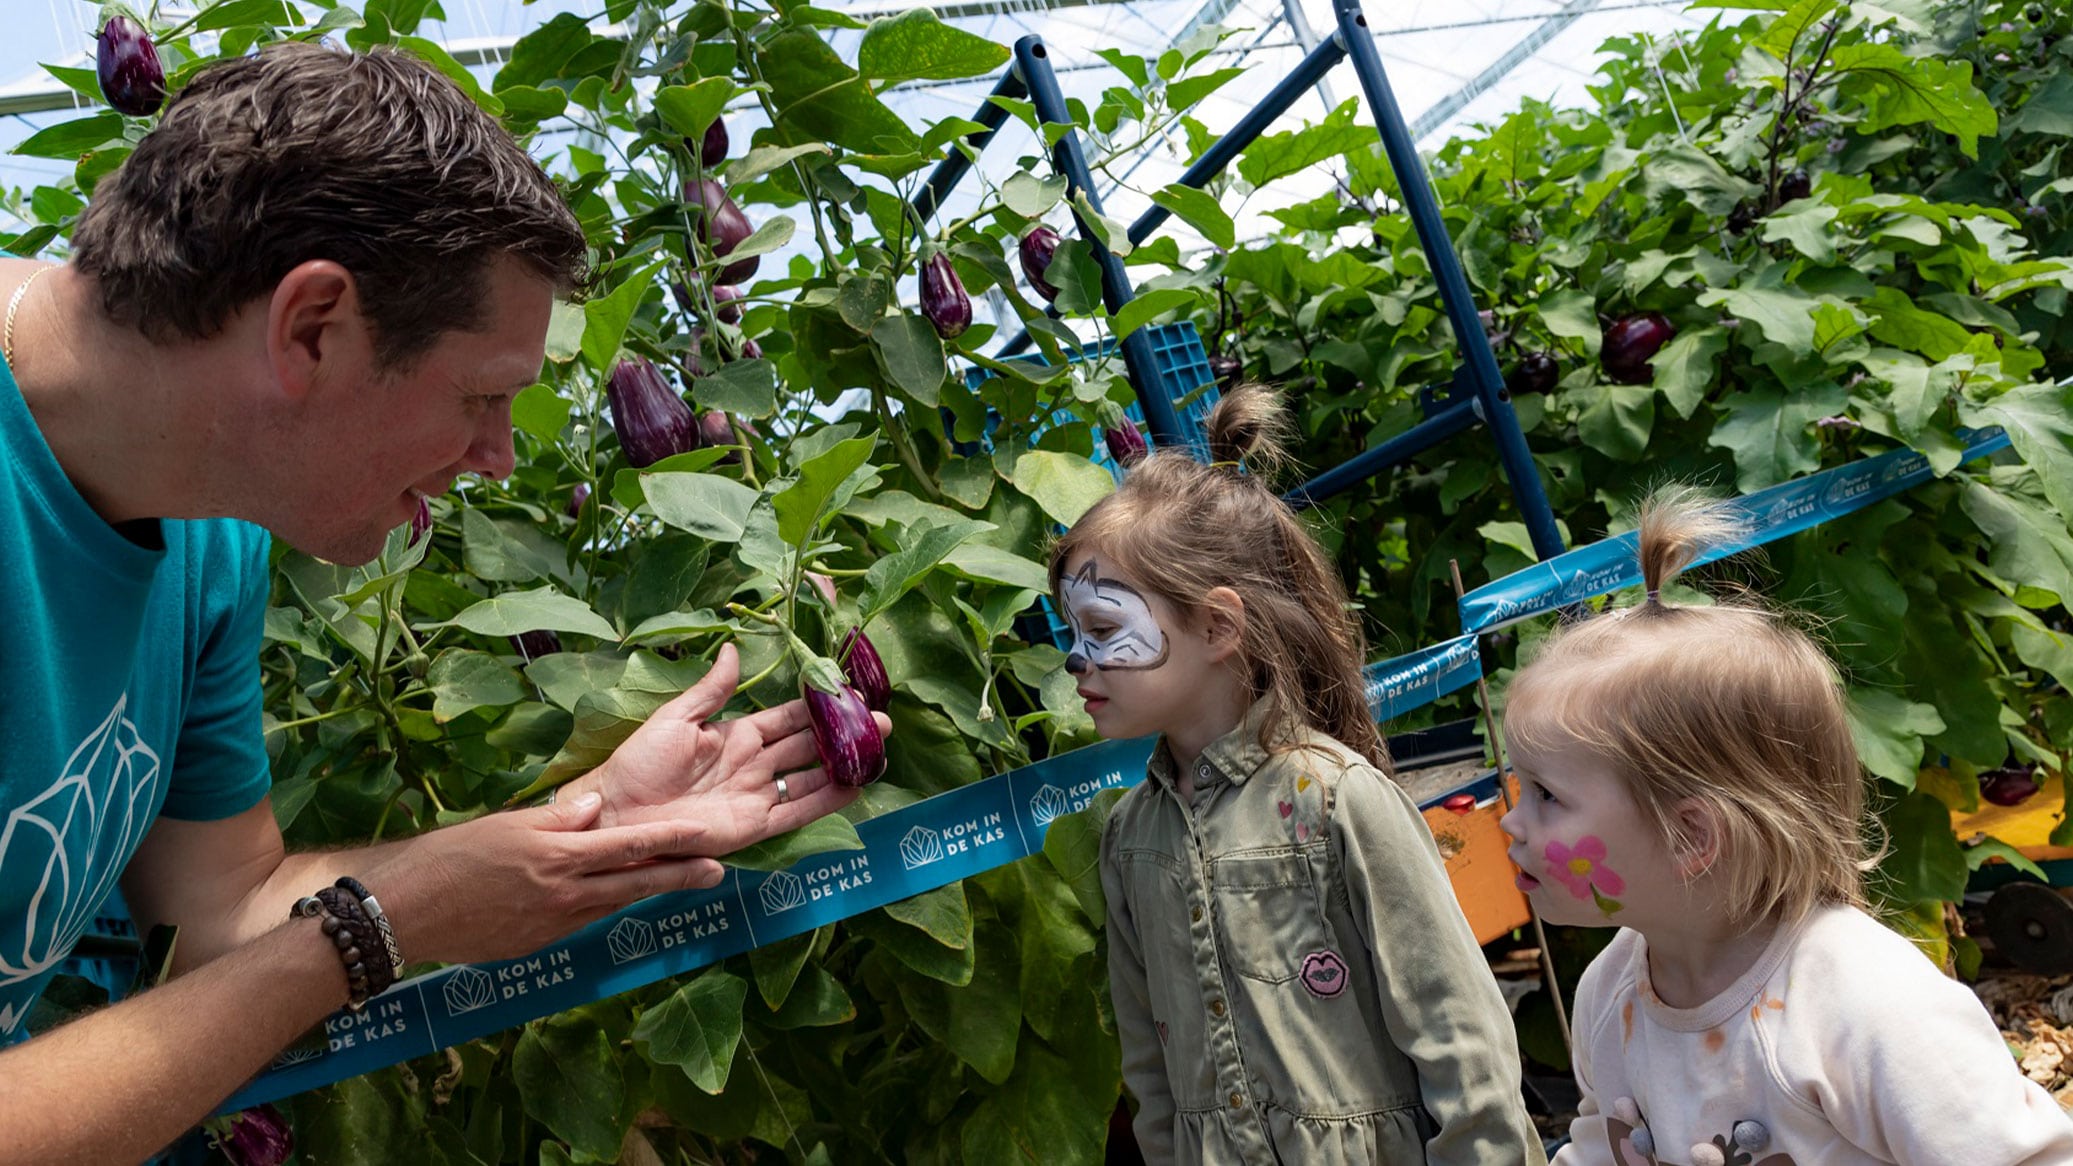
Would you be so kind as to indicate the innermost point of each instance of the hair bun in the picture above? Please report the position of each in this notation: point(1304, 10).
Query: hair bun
point(1249, 427)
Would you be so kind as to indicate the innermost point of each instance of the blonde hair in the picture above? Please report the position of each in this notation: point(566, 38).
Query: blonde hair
point(1729, 706)
point(1180, 529)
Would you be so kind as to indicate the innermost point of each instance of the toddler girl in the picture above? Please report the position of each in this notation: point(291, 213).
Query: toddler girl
point(1687, 774)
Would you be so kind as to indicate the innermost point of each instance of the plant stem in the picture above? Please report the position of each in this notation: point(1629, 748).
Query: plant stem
point(898, 436)
point(324, 716)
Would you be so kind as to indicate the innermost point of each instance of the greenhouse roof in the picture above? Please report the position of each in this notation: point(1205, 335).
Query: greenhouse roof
point(1450, 63)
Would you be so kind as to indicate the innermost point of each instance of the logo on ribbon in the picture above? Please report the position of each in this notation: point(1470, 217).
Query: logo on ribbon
point(296, 1055)
point(920, 847)
point(782, 892)
point(1048, 803)
point(630, 939)
point(469, 989)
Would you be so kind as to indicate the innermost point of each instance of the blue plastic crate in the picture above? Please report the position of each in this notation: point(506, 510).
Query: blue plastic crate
point(1180, 366)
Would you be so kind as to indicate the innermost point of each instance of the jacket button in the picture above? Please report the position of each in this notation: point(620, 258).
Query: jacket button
point(1216, 1008)
point(1237, 1102)
point(1196, 914)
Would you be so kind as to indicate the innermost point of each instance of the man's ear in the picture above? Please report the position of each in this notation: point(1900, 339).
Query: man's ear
point(312, 317)
point(1700, 828)
point(1223, 622)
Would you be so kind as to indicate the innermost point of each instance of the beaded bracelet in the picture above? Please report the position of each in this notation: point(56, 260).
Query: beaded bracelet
point(366, 944)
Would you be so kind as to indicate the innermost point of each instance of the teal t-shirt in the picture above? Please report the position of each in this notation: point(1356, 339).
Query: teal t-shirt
point(129, 688)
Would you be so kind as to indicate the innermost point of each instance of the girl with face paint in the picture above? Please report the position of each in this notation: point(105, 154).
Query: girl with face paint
point(1688, 774)
point(1293, 981)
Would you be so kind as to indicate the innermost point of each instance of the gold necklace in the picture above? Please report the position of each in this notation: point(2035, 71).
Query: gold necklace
point(14, 304)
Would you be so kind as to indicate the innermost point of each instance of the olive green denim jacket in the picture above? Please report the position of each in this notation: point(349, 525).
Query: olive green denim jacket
point(1293, 980)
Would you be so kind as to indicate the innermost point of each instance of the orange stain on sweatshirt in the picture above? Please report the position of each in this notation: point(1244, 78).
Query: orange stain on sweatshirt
point(1714, 1039)
point(1627, 1022)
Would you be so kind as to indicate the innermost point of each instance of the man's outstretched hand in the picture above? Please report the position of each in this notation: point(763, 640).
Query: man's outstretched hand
point(718, 780)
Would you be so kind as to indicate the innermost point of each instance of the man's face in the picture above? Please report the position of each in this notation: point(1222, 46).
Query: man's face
point(376, 442)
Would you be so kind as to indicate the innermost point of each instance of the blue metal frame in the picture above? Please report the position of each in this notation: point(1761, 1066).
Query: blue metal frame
point(1479, 393)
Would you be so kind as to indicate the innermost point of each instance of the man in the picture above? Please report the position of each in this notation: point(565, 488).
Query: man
point(306, 302)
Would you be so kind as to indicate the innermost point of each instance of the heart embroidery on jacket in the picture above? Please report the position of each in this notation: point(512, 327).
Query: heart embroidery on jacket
point(1286, 808)
point(1324, 974)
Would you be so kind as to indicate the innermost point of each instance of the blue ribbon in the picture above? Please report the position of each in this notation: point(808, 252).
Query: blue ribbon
point(965, 832)
point(917, 848)
point(1610, 564)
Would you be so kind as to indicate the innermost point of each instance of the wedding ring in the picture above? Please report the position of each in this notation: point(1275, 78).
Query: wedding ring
point(783, 793)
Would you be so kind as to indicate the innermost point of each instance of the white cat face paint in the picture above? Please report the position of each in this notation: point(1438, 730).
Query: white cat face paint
point(1113, 627)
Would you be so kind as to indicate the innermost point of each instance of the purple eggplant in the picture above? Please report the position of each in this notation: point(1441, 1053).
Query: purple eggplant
point(2010, 785)
point(420, 522)
point(726, 299)
point(577, 497)
point(727, 303)
point(716, 428)
point(712, 148)
point(652, 420)
point(846, 736)
point(1631, 342)
point(1537, 372)
point(722, 226)
point(259, 1136)
point(535, 644)
point(132, 78)
point(1036, 251)
point(866, 672)
point(1126, 442)
point(943, 298)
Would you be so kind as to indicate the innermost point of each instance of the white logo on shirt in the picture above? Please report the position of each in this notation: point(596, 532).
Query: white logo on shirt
point(67, 846)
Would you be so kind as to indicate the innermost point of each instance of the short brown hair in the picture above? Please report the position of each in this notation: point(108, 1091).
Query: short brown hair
point(1729, 705)
point(376, 161)
point(1182, 529)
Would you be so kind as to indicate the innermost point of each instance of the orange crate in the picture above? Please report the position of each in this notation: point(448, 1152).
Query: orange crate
point(1462, 807)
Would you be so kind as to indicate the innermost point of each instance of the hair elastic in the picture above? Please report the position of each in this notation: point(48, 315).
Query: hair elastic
point(1655, 596)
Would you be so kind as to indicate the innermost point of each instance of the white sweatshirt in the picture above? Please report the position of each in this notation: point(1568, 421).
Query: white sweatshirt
point(1842, 1045)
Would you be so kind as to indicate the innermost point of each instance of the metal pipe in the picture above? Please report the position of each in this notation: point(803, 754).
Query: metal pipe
point(1034, 63)
point(1404, 446)
point(1480, 364)
point(1307, 72)
point(1313, 67)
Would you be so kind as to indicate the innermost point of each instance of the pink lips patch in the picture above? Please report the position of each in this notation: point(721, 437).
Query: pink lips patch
point(1323, 974)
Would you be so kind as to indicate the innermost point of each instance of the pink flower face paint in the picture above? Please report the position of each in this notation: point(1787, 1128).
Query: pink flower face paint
point(1582, 869)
